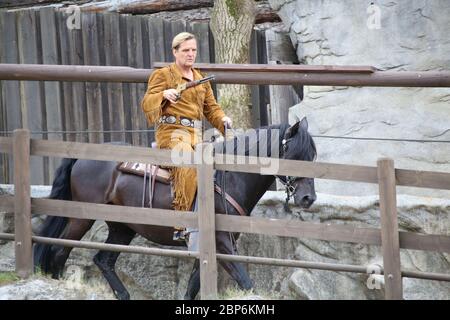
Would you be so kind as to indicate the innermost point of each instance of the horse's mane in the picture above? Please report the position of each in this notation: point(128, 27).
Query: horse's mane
point(303, 142)
point(235, 145)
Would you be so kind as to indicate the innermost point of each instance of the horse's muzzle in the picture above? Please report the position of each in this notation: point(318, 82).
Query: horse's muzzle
point(307, 201)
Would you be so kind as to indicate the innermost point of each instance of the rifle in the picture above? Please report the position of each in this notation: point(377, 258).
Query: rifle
point(181, 87)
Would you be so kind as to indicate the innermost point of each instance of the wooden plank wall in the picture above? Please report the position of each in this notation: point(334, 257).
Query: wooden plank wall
point(108, 39)
point(10, 89)
point(3, 157)
point(32, 107)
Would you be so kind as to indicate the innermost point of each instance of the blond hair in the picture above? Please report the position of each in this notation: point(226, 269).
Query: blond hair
point(180, 38)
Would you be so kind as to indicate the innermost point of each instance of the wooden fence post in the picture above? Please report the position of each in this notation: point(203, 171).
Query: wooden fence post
point(22, 203)
point(389, 229)
point(206, 223)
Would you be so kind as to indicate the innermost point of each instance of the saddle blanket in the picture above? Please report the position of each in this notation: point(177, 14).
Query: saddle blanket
point(162, 175)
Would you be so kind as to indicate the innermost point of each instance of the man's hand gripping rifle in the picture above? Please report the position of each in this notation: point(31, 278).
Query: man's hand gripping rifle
point(181, 87)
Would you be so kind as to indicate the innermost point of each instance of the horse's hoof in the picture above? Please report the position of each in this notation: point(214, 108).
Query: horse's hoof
point(124, 295)
point(56, 275)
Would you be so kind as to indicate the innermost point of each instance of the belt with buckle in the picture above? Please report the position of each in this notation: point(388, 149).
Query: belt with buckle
point(186, 122)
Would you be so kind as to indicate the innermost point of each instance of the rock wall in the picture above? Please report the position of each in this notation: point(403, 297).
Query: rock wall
point(413, 36)
point(152, 277)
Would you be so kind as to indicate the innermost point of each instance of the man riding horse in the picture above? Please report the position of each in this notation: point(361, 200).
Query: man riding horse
point(173, 112)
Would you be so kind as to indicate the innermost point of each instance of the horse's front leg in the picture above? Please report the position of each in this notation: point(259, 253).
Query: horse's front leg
point(235, 269)
point(106, 260)
point(194, 282)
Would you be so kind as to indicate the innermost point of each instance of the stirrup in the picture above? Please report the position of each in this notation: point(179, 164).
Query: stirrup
point(180, 235)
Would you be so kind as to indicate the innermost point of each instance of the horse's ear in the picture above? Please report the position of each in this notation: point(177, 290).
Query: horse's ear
point(292, 130)
point(304, 124)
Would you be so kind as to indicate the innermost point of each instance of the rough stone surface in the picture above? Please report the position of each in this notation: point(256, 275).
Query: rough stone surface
point(413, 36)
point(41, 288)
point(152, 277)
point(6, 218)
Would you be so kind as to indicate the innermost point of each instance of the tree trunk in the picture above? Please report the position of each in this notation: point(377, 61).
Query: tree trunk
point(232, 24)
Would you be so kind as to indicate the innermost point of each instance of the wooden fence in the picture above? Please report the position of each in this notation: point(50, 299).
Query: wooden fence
point(388, 237)
point(391, 240)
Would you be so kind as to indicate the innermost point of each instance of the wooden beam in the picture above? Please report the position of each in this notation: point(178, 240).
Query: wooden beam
point(328, 232)
point(91, 211)
point(206, 223)
point(333, 171)
point(426, 242)
point(308, 169)
point(298, 229)
point(64, 149)
point(258, 225)
point(389, 230)
point(276, 68)
point(93, 151)
point(22, 203)
point(323, 78)
point(72, 73)
point(423, 179)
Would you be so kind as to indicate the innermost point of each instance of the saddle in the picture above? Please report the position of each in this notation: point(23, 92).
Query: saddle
point(145, 170)
point(162, 175)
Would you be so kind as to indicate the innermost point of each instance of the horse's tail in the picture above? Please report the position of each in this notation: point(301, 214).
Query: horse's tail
point(53, 227)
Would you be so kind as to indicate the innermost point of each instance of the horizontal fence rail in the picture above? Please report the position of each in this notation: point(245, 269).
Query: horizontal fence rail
point(237, 258)
point(84, 210)
point(343, 172)
point(80, 150)
point(257, 225)
point(107, 246)
point(234, 74)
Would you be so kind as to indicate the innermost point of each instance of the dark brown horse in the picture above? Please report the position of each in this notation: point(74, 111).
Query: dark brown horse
point(100, 182)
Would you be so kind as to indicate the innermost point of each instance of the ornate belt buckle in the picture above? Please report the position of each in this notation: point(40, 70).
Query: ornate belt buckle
point(186, 122)
point(171, 119)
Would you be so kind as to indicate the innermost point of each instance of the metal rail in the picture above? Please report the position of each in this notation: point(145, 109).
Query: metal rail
point(237, 258)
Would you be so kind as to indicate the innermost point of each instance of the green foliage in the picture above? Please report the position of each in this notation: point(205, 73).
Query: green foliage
point(8, 277)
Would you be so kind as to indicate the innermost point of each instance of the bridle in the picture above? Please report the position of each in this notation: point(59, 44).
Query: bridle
point(290, 182)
